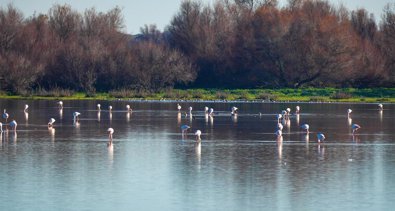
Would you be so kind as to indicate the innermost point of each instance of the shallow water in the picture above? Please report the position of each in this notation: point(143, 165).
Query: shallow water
point(239, 165)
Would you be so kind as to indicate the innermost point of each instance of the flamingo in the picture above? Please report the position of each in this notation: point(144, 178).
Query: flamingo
point(349, 111)
point(178, 107)
point(128, 109)
point(76, 116)
point(60, 104)
point(1, 128)
point(98, 107)
point(284, 113)
point(280, 126)
point(184, 128)
point(206, 110)
point(355, 127)
point(26, 107)
point(279, 133)
point(305, 127)
point(110, 108)
point(50, 123)
point(234, 111)
point(211, 112)
point(110, 132)
point(279, 116)
point(5, 116)
point(297, 109)
point(288, 111)
point(320, 137)
point(190, 110)
point(198, 133)
point(13, 125)
point(380, 107)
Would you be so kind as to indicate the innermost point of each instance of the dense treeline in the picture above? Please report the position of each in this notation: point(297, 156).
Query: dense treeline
point(233, 43)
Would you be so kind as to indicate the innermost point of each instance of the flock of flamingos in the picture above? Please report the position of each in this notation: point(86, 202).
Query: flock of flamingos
point(285, 114)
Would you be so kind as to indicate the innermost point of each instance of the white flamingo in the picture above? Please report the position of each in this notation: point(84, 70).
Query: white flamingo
point(5, 116)
point(128, 109)
point(51, 121)
point(110, 108)
point(355, 127)
point(76, 116)
point(110, 131)
point(211, 112)
point(60, 104)
point(297, 109)
point(184, 128)
point(198, 133)
point(320, 137)
point(305, 127)
point(280, 126)
point(1, 128)
point(234, 111)
point(380, 106)
point(279, 116)
point(349, 111)
point(206, 110)
point(178, 107)
point(26, 107)
point(279, 133)
point(13, 125)
point(98, 107)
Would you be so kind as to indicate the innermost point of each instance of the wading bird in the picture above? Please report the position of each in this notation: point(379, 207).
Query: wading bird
point(380, 107)
point(98, 107)
point(26, 107)
point(51, 121)
point(297, 109)
point(305, 127)
point(355, 127)
point(184, 128)
point(234, 111)
point(76, 116)
point(60, 104)
point(178, 107)
point(349, 111)
point(198, 133)
point(211, 112)
point(5, 116)
point(128, 109)
point(279, 133)
point(280, 126)
point(320, 137)
point(110, 131)
point(13, 125)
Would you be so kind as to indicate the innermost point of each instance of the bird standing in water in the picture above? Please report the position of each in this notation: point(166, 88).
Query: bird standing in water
point(355, 127)
point(198, 133)
point(13, 125)
point(305, 127)
point(110, 131)
point(320, 137)
point(184, 128)
point(5, 116)
point(50, 123)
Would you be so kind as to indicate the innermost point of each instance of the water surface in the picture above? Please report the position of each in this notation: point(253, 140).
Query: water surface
point(239, 165)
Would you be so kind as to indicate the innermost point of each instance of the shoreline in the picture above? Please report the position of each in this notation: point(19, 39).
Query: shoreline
point(308, 95)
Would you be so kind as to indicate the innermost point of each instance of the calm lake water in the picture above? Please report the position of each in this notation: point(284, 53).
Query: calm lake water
point(239, 164)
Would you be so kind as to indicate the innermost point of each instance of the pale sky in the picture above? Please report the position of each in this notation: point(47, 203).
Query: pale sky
point(139, 12)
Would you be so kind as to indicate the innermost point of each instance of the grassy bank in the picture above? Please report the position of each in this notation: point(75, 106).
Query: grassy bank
point(303, 95)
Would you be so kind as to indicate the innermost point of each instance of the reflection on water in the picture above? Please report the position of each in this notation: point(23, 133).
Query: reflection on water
point(26, 117)
point(237, 170)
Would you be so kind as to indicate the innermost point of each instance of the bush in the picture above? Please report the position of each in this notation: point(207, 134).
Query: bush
point(341, 95)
